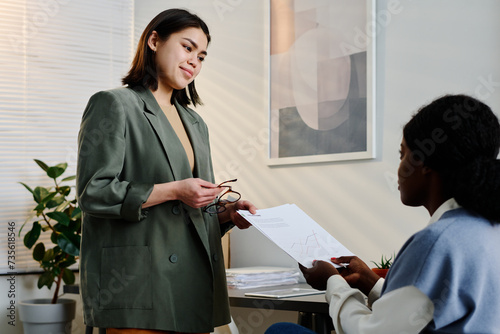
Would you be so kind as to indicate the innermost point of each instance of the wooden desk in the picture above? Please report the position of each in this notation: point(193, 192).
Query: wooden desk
point(312, 310)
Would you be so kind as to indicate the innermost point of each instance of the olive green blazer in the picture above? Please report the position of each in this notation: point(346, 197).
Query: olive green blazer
point(156, 268)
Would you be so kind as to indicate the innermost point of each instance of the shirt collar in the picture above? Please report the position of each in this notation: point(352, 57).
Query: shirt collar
point(450, 204)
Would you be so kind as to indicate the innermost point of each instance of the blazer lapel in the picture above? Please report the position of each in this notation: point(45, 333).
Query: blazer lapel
point(192, 126)
point(176, 156)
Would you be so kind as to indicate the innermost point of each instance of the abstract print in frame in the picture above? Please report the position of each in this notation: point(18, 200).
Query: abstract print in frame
point(321, 81)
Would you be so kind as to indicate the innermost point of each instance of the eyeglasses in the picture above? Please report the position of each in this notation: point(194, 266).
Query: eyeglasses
point(227, 196)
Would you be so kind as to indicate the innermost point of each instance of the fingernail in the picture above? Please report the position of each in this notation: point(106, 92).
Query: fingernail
point(333, 258)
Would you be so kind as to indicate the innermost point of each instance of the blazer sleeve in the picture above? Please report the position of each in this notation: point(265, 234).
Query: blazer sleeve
point(225, 227)
point(101, 153)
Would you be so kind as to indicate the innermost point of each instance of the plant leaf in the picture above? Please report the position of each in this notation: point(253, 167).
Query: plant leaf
point(68, 276)
point(49, 255)
point(53, 237)
point(68, 262)
point(69, 178)
point(77, 213)
point(55, 172)
point(46, 279)
point(60, 217)
point(39, 252)
point(69, 246)
point(27, 187)
point(65, 190)
point(32, 214)
point(42, 164)
point(62, 165)
point(39, 194)
point(43, 202)
point(55, 202)
point(63, 205)
point(39, 209)
point(32, 236)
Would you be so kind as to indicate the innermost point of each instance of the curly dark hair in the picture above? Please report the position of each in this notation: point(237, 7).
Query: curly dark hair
point(459, 137)
point(143, 69)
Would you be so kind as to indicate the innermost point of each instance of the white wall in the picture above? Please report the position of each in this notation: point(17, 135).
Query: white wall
point(425, 49)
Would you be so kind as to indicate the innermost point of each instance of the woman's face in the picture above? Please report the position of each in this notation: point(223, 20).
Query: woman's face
point(179, 58)
point(411, 178)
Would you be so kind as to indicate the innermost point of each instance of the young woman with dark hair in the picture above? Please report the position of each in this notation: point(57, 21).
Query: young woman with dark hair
point(144, 70)
point(151, 257)
point(445, 279)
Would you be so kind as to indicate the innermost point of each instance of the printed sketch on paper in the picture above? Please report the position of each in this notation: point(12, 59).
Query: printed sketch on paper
point(318, 69)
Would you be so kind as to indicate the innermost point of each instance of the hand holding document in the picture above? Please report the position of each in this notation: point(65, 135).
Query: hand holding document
point(296, 233)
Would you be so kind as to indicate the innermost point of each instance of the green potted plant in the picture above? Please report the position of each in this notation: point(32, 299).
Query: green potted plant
point(59, 215)
point(382, 267)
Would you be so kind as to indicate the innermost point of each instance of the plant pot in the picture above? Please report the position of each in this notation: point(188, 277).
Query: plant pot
point(381, 272)
point(39, 316)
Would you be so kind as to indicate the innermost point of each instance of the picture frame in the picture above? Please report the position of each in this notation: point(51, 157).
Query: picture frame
point(321, 81)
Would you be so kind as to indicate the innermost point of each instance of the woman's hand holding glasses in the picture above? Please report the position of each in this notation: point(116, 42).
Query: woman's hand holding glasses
point(227, 204)
point(196, 193)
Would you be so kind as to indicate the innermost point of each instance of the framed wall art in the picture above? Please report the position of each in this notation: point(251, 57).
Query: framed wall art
point(322, 92)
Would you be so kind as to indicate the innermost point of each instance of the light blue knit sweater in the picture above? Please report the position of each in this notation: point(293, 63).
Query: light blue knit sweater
point(456, 263)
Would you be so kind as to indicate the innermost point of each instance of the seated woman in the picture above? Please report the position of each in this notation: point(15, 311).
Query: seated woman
point(445, 279)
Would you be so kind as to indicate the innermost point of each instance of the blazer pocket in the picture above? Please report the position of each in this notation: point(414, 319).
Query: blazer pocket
point(125, 280)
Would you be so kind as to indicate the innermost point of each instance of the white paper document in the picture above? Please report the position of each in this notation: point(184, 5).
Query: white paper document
point(296, 233)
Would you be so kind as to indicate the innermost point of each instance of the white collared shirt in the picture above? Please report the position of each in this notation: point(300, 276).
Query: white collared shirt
point(450, 204)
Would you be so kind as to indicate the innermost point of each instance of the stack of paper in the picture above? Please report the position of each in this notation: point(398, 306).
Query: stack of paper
point(256, 277)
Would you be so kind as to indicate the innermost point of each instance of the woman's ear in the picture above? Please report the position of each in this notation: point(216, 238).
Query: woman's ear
point(153, 40)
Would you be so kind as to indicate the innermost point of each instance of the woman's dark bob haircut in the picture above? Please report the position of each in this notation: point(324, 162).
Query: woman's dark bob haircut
point(143, 70)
